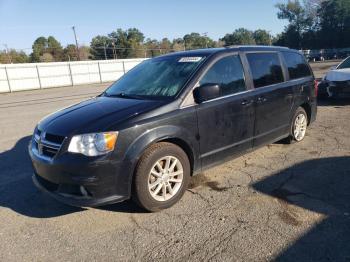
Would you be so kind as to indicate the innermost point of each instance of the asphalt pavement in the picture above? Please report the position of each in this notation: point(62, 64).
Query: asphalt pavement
point(281, 202)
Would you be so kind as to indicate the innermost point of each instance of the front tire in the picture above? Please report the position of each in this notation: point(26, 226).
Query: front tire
point(161, 177)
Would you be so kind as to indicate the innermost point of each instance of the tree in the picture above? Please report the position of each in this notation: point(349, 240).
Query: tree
point(13, 56)
point(178, 44)
point(294, 12)
point(262, 37)
point(39, 47)
point(100, 47)
point(290, 38)
point(334, 23)
point(220, 43)
point(119, 43)
point(46, 57)
point(135, 40)
point(196, 41)
point(54, 48)
point(70, 53)
point(152, 48)
point(48, 45)
point(128, 42)
point(84, 52)
point(165, 46)
point(315, 24)
point(240, 36)
point(311, 9)
point(120, 38)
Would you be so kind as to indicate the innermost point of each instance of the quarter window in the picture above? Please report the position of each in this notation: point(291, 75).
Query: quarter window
point(266, 69)
point(296, 64)
point(228, 74)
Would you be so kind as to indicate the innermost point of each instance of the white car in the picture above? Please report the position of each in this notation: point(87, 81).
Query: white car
point(336, 83)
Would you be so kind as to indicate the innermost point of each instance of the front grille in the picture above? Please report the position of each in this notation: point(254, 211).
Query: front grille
point(46, 151)
point(54, 138)
point(47, 145)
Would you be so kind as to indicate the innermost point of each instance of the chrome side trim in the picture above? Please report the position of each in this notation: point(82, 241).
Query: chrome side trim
point(227, 96)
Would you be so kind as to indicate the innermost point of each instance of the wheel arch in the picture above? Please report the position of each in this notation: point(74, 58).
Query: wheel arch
point(171, 134)
point(307, 107)
point(184, 146)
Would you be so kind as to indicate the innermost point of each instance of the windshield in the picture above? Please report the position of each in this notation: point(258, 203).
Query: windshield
point(344, 64)
point(158, 77)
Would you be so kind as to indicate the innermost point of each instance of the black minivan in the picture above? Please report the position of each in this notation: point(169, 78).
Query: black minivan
point(169, 118)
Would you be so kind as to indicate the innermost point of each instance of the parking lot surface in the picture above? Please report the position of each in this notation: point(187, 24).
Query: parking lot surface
point(283, 202)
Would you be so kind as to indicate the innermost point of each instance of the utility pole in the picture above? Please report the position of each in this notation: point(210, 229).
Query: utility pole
point(206, 39)
point(104, 47)
point(115, 55)
point(76, 43)
point(8, 54)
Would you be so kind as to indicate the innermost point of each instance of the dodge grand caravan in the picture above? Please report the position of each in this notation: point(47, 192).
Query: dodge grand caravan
point(169, 118)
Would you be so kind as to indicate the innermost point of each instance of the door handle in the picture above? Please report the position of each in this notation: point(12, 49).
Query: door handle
point(262, 99)
point(246, 102)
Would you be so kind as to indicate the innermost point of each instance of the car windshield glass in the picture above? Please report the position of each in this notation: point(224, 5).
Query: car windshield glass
point(159, 77)
point(345, 64)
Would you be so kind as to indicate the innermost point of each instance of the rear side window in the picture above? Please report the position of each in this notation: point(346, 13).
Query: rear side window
point(296, 64)
point(266, 69)
point(228, 74)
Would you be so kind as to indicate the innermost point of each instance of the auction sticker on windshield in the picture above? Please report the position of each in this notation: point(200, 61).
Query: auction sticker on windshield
point(190, 59)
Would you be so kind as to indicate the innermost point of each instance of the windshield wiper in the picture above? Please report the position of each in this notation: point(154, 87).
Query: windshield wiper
point(123, 95)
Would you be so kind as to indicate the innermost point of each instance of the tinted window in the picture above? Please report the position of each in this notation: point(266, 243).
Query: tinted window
point(266, 68)
point(296, 64)
point(344, 64)
point(228, 74)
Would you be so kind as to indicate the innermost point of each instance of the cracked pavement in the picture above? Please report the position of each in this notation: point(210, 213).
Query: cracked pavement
point(281, 202)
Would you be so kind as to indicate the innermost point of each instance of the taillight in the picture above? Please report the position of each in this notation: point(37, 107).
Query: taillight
point(316, 87)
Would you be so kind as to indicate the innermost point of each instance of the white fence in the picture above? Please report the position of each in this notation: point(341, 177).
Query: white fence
point(17, 77)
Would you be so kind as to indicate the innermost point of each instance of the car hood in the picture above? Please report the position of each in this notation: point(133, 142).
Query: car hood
point(338, 75)
point(95, 115)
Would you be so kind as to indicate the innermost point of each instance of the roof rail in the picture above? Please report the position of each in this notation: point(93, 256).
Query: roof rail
point(255, 46)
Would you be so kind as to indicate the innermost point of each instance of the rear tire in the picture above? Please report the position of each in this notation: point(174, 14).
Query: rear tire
point(161, 177)
point(298, 126)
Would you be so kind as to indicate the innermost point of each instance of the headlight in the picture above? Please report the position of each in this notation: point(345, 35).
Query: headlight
point(93, 144)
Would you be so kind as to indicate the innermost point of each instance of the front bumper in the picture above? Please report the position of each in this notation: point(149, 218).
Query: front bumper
point(78, 180)
point(73, 200)
point(335, 89)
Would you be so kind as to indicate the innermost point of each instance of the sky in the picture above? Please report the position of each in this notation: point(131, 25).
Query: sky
point(22, 21)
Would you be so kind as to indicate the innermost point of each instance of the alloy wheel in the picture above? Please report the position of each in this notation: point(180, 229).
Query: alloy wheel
point(300, 125)
point(165, 178)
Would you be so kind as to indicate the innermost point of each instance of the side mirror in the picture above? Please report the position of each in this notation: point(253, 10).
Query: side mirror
point(333, 67)
point(206, 92)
